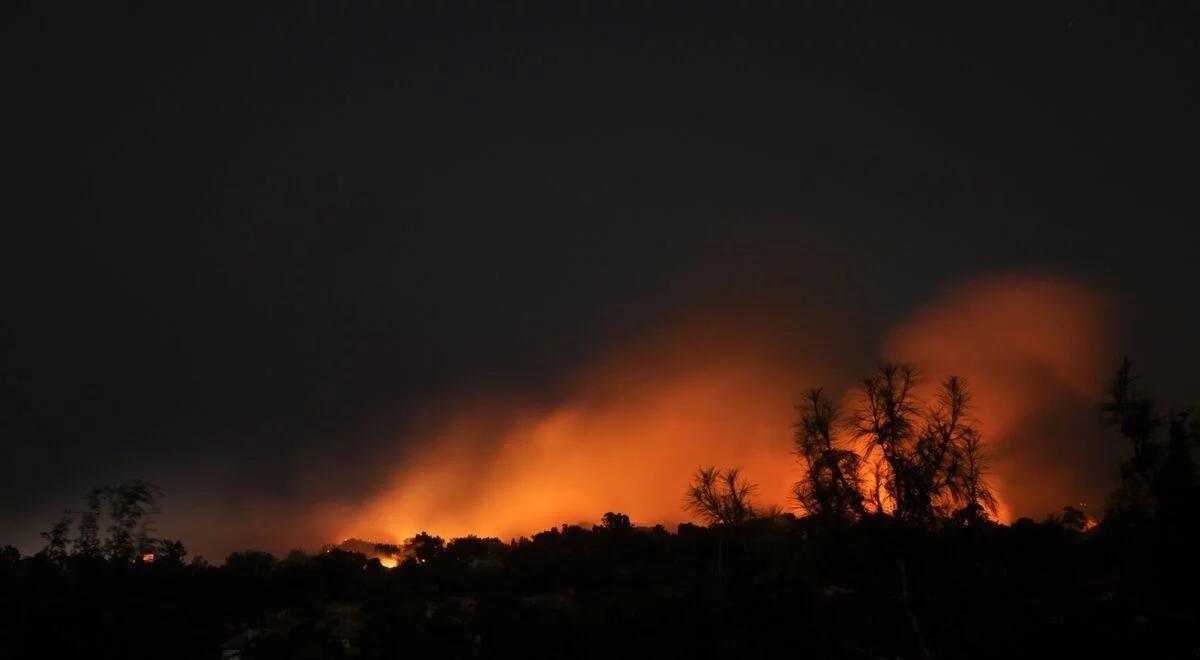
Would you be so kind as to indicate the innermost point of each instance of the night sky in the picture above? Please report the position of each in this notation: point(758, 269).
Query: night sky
point(239, 246)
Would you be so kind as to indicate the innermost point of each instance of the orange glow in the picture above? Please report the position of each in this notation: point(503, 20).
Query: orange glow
point(626, 437)
point(148, 558)
point(630, 428)
point(1031, 349)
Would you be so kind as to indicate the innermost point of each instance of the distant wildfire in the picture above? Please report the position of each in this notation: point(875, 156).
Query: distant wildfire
point(630, 428)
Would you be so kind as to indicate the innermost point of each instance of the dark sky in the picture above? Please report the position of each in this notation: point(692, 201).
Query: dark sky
point(233, 242)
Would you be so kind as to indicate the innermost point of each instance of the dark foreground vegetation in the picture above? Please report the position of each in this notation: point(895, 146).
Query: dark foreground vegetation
point(895, 556)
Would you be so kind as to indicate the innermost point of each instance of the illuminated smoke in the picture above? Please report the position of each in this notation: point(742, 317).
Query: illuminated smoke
point(626, 432)
point(1035, 353)
point(626, 437)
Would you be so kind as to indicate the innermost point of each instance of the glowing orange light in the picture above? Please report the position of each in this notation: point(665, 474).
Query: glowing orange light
point(627, 431)
point(148, 558)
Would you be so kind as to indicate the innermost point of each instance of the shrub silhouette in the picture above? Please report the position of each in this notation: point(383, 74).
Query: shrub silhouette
point(720, 496)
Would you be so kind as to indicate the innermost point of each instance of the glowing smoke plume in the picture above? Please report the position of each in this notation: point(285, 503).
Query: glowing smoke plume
point(630, 428)
point(1035, 353)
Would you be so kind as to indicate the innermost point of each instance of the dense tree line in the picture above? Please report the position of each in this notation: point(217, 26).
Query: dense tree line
point(895, 553)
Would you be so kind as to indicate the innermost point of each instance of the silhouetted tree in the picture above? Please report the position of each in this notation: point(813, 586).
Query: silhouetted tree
point(831, 486)
point(130, 506)
point(949, 455)
point(387, 549)
point(616, 521)
point(926, 462)
point(170, 552)
point(9, 556)
point(1132, 414)
point(886, 421)
point(471, 548)
point(425, 547)
point(1072, 518)
point(878, 480)
point(87, 542)
point(720, 496)
point(1176, 484)
point(58, 538)
point(977, 498)
point(922, 470)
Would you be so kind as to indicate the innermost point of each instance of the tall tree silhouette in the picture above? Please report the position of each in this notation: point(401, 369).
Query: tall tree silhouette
point(1176, 483)
point(928, 460)
point(1132, 415)
point(886, 420)
point(720, 496)
point(977, 497)
point(831, 486)
point(57, 538)
point(130, 507)
point(949, 455)
point(87, 543)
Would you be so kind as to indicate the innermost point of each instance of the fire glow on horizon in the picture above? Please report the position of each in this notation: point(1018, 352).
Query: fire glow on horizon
point(637, 423)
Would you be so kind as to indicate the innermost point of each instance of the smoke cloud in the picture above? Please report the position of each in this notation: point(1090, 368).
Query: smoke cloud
point(627, 431)
point(1035, 352)
point(625, 436)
